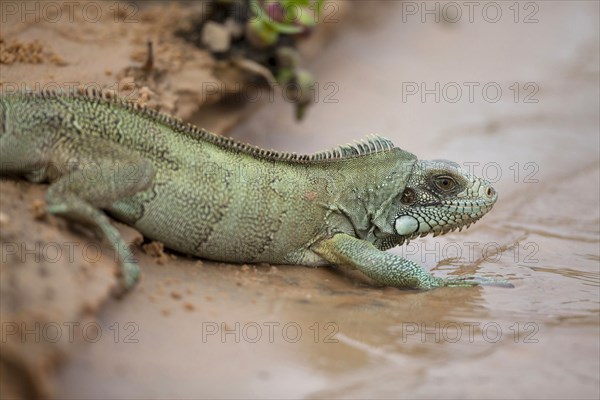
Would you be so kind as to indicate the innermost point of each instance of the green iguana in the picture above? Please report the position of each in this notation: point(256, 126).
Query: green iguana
point(212, 197)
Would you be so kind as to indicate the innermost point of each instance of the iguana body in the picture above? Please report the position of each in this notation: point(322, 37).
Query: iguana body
point(209, 196)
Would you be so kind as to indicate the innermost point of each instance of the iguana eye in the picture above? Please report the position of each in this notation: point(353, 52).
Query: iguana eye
point(408, 197)
point(445, 183)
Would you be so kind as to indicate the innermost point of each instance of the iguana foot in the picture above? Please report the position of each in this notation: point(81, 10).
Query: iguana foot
point(389, 269)
point(129, 274)
point(473, 280)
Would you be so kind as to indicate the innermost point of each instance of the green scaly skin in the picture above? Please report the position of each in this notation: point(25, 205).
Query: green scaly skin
point(211, 197)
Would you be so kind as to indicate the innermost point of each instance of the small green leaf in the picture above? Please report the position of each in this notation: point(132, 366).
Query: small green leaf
point(285, 28)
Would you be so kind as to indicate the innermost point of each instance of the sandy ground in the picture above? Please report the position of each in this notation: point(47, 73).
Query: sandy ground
point(55, 277)
point(200, 329)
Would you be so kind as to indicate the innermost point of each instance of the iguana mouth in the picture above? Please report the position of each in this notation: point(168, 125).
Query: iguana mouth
point(468, 203)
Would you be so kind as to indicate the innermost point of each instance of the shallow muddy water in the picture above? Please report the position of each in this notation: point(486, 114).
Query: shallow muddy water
point(518, 103)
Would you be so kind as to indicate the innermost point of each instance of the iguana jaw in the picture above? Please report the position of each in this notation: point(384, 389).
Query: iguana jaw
point(440, 219)
point(437, 218)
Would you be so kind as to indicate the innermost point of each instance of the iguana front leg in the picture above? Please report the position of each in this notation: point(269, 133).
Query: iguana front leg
point(383, 267)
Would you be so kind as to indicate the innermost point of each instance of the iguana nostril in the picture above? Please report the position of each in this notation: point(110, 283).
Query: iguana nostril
point(490, 191)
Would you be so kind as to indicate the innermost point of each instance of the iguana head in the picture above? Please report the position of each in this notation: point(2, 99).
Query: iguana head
point(439, 197)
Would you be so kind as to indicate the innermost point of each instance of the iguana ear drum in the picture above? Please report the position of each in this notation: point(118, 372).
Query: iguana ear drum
point(405, 225)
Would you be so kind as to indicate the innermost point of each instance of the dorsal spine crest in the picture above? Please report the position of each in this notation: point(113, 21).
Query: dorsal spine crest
point(372, 144)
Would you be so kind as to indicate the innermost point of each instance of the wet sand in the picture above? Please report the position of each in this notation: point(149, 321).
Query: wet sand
point(543, 234)
point(200, 329)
